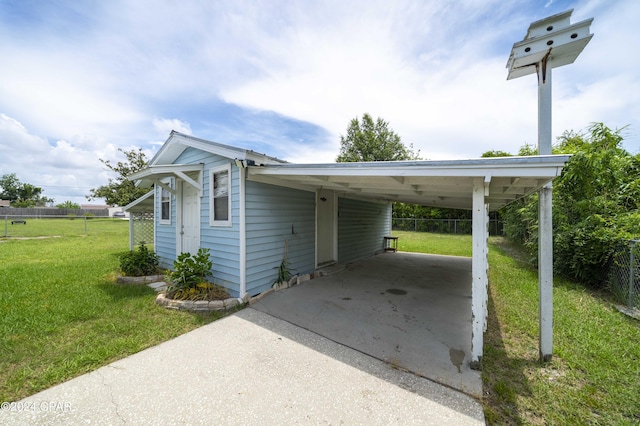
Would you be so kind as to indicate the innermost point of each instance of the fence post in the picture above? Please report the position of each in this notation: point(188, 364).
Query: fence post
point(632, 287)
point(85, 225)
point(6, 226)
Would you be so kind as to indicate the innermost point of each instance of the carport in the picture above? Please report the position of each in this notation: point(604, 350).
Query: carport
point(410, 310)
point(480, 185)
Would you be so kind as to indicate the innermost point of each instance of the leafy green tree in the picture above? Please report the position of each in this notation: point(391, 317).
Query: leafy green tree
point(369, 140)
point(596, 204)
point(68, 205)
point(491, 154)
point(121, 191)
point(10, 187)
point(21, 194)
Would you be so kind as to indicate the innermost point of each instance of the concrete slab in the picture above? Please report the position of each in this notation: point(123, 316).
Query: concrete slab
point(248, 368)
point(410, 310)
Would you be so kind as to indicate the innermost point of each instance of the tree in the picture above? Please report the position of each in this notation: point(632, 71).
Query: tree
point(596, 204)
point(367, 140)
point(10, 187)
point(21, 194)
point(68, 205)
point(493, 154)
point(121, 191)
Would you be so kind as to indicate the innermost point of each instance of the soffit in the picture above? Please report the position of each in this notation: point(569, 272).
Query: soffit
point(444, 184)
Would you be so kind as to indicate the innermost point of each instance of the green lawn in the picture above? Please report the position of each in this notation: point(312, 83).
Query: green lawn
point(62, 315)
point(594, 377)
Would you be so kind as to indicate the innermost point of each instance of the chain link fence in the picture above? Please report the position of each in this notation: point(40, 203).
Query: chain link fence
point(443, 226)
point(23, 226)
point(624, 274)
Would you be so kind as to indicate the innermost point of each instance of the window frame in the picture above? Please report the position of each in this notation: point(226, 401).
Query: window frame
point(212, 199)
point(162, 220)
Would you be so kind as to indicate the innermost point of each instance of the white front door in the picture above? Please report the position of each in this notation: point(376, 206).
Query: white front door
point(326, 229)
point(190, 226)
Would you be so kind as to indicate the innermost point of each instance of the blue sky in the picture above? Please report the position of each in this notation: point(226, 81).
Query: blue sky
point(81, 79)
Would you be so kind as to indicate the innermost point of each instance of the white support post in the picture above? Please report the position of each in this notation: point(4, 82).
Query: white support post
point(545, 219)
point(131, 236)
point(243, 233)
point(479, 266)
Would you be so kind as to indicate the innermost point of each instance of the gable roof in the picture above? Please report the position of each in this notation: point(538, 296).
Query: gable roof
point(177, 143)
point(444, 184)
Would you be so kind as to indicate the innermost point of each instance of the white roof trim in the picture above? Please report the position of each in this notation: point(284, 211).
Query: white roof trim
point(446, 184)
point(178, 142)
point(138, 201)
point(153, 174)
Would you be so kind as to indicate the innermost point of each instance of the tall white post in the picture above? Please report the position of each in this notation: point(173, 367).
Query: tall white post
point(479, 266)
point(545, 218)
point(550, 42)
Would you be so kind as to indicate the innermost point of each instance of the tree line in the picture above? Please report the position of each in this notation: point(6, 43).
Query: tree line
point(596, 199)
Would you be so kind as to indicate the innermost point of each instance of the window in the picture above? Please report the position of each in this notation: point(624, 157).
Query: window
point(220, 185)
point(165, 205)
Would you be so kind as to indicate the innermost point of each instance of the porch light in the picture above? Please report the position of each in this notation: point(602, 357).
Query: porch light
point(551, 42)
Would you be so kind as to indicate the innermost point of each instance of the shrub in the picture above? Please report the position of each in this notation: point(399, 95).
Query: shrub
point(140, 262)
point(596, 205)
point(189, 278)
point(190, 270)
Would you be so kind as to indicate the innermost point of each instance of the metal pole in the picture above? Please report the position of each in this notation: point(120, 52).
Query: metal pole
point(545, 228)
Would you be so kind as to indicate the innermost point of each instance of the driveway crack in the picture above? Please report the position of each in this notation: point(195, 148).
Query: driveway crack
point(111, 395)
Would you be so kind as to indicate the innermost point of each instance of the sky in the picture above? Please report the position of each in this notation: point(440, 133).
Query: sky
point(80, 80)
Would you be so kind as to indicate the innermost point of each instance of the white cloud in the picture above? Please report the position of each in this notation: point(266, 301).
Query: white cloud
point(164, 126)
point(126, 74)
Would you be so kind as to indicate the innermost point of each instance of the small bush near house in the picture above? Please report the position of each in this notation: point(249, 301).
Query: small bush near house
point(189, 278)
point(140, 262)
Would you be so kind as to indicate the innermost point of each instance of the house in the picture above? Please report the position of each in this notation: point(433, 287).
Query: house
point(250, 209)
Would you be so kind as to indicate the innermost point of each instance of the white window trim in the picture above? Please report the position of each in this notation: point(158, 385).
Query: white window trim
point(212, 172)
point(161, 221)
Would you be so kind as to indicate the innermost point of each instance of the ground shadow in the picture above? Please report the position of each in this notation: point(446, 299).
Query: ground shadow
point(443, 395)
point(503, 375)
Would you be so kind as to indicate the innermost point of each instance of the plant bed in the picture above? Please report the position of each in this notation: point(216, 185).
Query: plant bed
point(202, 305)
point(188, 287)
point(138, 264)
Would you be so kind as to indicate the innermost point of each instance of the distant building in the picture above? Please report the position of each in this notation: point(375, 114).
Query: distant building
point(5, 203)
point(94, 207)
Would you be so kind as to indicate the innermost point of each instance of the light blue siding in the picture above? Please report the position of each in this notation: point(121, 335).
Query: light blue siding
point(222, 241)
point(361, 228)
point(275, 215)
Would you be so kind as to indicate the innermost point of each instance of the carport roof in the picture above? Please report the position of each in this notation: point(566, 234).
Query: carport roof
point(446, 184)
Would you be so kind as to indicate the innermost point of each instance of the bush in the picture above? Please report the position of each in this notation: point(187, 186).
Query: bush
point(596, 205)
point(137, 263)
point(190, 270)
point(189, 278)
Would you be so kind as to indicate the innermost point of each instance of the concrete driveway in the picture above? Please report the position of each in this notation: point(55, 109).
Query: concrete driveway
point(412, 311)
point(254, 368)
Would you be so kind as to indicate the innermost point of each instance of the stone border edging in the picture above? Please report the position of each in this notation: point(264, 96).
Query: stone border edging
point(223, 305)
point(147, 279)
point(201, 305)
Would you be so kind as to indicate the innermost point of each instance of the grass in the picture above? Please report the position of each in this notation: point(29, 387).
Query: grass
point(445, 244)
point(594, 377)
point(62, 315)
